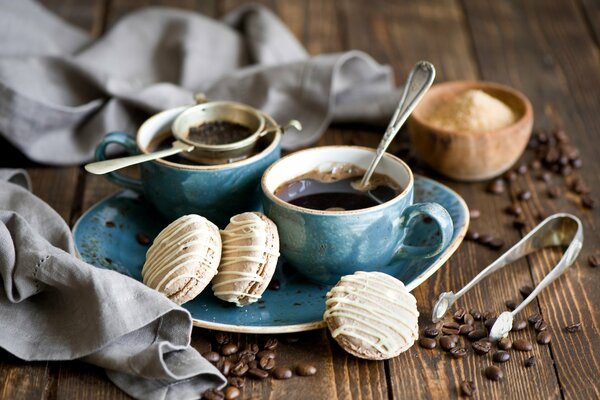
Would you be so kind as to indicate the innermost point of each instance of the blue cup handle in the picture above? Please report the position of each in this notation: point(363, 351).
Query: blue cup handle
point(128, 142)
point(439, 216)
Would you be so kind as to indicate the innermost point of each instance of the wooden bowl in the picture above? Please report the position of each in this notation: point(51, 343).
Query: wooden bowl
point(470, 156)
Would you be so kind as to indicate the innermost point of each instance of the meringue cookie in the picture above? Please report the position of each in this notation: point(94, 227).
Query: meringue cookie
point(250, 252)
point(183, 258)
point(372, 315)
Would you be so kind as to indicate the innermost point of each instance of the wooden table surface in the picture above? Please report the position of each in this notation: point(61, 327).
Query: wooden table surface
point(548, 50)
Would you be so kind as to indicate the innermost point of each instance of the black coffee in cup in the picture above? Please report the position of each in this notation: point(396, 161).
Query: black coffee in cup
point(337, 189)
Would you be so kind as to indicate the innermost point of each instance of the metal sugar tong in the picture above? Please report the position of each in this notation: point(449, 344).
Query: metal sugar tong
point(557, 230)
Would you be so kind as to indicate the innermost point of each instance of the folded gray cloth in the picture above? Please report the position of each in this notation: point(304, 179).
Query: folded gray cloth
point(60, 92)
point(54, 306)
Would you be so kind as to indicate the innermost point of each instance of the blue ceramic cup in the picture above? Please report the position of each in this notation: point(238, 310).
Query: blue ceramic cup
point(325, 245)
point(216, 192)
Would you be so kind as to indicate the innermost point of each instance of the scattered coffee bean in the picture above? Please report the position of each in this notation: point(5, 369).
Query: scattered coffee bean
point(588, 202)
point(475, 313)
point(522, 169)
point(282, 373)
point(481, 347)
point(468, 319)
point(266, 363)
point(577, 163)
point(514, 209)
point(494, 373)
point(450, 331)
point(525, 291)
point(579, 186)
point(451, 324)
point(257, 373)
point(529, 362)
point(467, 388)
point(246, 356)
point(544, 337)
point(427, 343)
point(554, 192)
point(501, 356)
point(477, 334)
point(518, 325)
point(265, 353)
point(431, 332)
point(519, 223)
point(510, 176)
point(488, 314)
point(271, 344)
point(458, 352)
point(573, 327)
point(142, 238)
point(489, 323)
point(594, 261)
point(540, 325)
point(226, 367)
point(474, 213)
point(471, 235)
point(253, 364)
point(545, 177)
point(566, 170)
point(485, 239)
point(306, 369)
point(511, 304)
point(496, 187)
point(239, 369)
point(229, 349)
point(505, 344)
point(524, 195)
point(496, 244)
point(465, 329)
point(213, 394)
point(232, 393)
point(211, 356)
point(522, 345)
point(252, 348)
point(447, 343)
point(236, 381)
point(536, 165)
point(459, 315)
point(222, 338)
point(534, 318)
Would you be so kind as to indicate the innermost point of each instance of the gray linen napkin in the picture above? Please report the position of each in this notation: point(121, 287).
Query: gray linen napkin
point(61, 91)
point(54, 306)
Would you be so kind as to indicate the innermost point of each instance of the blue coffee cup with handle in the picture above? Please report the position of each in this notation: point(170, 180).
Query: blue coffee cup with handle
point(324, 245)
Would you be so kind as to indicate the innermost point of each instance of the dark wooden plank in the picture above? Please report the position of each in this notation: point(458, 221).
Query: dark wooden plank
point(20, 379)
point(591, 14)
point(543, 41)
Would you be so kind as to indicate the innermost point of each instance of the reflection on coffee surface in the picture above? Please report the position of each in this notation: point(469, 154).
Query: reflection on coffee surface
point(337, 189)
point(218, 132)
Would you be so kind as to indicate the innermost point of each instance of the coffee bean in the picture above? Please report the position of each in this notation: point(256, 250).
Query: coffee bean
point(475, 313)
point(588, 202)
point(265, 353)
point(213, 394)
point(474, 213)
point(477, 334)
point(306, 369)
point(522, 345)
point(236, 381)
point(449, 331)
point(447, 343)
point(545, 177)
point(282, 373)
point(501, 356)
point(458, 352)
point(504, 344)
point(519, 223)
point(594, 260)
point(518, 325)
point(239, 369)
point(431, 332)
point(496, 187)
point(514, 209)
point(566, 170)
point(524, 195)
point(271, 344)
point(534, 318)
point(540, 325)
point(427, 343)
point(471, 235)
point(459, 315)
point(246, 356)
point(229, 349)
point(488, 314)
point(489, 323)
point(211, 356)
point(465, 329)
point(274, 284)
point(142, 238)
point(510, 176)
point(579, 186)
point(467, 388)
point(577, 163)
point(252, 347)
point(451, 324)
point(485, 239)
point(468, 319)
point(522, 169)
point(222, 338)
point(511, 304)
point(226, 367)
point(573, 327)
point(535, 165)
point(266, 363)
point(496, 244)
point(554, 192)
point(253, 364)
point(544, 337)
point(494, 373)
point(257, 373)
point(232, 393)
point(481, 347)
point(529, 362)
point(525, 291)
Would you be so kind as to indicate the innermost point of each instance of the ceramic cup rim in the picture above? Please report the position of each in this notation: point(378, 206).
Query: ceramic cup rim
point(271, 196)
point(219, 167)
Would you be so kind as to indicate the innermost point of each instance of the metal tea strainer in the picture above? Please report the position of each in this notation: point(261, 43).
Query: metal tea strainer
point(557, 230)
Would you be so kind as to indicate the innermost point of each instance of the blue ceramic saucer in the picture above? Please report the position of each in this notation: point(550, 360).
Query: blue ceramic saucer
point(105, 236)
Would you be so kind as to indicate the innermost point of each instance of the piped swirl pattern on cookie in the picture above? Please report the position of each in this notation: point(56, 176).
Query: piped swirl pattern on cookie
point(372, 315)
point(250, 252)
point(183, 258)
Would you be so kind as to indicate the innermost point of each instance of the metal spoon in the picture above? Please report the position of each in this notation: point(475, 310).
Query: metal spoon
point(419, 80)
point(556, 230)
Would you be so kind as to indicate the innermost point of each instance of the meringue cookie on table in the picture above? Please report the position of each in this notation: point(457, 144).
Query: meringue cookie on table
point(372, 315)
point(183, 258)
point(250, 253)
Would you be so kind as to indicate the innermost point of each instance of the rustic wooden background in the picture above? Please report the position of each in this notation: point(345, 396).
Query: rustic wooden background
point(547, 49)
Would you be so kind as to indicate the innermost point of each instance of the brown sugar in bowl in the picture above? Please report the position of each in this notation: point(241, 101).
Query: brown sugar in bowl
point(470, 156)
